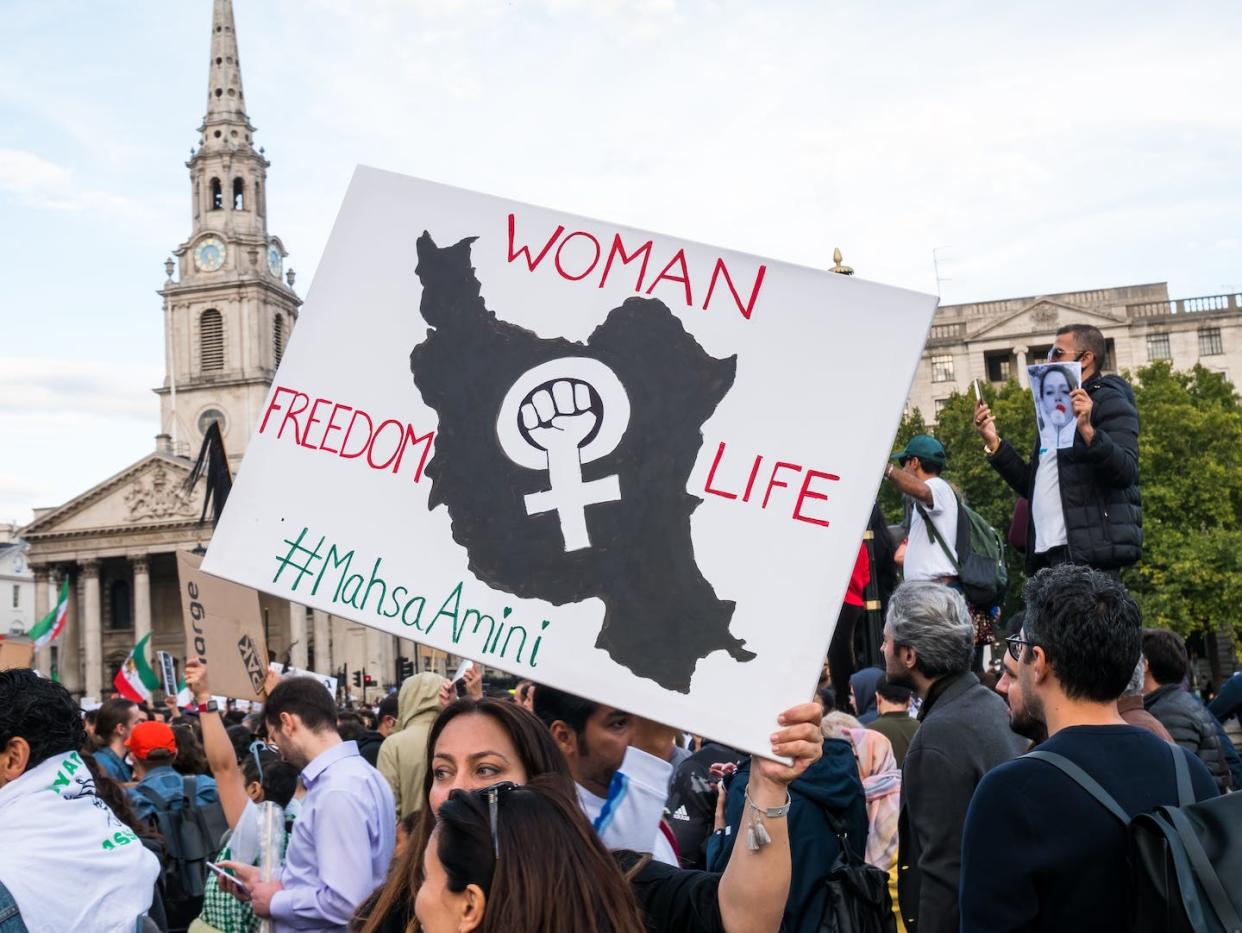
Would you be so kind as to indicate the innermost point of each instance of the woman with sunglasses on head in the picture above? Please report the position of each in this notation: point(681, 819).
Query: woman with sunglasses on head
point(521, 859)
point(476, 743)
point(260, 776)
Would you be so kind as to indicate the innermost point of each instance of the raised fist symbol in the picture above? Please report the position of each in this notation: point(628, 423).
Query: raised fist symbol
point(561, 414)
point(556, 417)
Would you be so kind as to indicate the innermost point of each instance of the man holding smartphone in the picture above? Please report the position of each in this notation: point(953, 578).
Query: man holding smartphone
point(1085, 503)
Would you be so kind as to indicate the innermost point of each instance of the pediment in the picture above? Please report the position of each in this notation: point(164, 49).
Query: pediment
point(1042, 316)
point(149, 493)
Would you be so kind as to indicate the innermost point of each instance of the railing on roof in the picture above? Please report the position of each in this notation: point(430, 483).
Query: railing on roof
point(1205, 303)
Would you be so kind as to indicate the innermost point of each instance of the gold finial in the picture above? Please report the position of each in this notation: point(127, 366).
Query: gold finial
point(837, 265)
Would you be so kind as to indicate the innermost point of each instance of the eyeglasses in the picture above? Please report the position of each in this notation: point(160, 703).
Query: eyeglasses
point(1015, 644)
point(492, 794)
point(255, 747)
point(1055, 353)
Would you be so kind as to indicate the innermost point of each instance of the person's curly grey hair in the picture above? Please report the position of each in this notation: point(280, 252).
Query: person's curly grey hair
point(932, 619)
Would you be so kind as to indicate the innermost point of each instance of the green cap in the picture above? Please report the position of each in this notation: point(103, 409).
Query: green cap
point(923, 446)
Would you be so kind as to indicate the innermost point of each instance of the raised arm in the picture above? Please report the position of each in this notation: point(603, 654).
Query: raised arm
point(221, 758)
point(755, 885)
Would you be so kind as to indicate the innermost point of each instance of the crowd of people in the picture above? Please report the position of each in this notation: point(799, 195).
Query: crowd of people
point(915, 796)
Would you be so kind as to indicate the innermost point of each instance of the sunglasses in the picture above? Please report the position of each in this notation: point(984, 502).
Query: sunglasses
point(257, 746)
point(1015, 644)
point(1055, 353)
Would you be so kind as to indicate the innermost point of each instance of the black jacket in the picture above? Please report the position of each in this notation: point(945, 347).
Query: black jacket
point(1192, 727)
point(964, 734)
point(1099, 482)
point(369, 743)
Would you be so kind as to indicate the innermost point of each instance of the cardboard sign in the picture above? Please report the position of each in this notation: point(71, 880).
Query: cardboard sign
point(1051, 385)
point(168, 672)
point(224, 625)
point(630, 466)
point(327, 680)
point(16, 654)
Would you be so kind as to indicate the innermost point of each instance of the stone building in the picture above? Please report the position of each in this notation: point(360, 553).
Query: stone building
point(229, 308)
point(993, 341)
point(16, 584)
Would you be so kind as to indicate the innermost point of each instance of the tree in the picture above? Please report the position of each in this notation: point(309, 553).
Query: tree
point(1190, 577)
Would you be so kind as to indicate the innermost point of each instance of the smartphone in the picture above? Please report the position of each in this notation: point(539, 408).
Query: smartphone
point(978, 396)
point(223, 873)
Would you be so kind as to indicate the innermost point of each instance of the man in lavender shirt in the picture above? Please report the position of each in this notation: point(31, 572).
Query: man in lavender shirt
point(342, 841)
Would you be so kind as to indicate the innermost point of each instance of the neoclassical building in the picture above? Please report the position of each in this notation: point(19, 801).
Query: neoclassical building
point(993, 341)
point(229, 308)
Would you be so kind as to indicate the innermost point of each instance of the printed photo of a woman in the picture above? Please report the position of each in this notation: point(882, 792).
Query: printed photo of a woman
point(1051, 386)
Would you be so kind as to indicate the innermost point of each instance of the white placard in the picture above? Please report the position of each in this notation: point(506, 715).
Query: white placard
point(631, 466)
point(1051, 385)
point(326, 679)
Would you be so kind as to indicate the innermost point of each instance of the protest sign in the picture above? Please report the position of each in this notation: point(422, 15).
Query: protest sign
point(1051, 385)
point(223, 625)
point(15, 654)
point(630, 466)
point(168, 672)
point(283, 670)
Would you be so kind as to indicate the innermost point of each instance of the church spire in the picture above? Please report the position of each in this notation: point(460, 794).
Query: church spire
point(226, 121)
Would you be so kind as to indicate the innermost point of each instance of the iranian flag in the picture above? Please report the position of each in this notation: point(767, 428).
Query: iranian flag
point(135, 680)
point(52, 624)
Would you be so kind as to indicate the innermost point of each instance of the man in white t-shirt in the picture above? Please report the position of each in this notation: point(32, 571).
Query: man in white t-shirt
point(918, 477)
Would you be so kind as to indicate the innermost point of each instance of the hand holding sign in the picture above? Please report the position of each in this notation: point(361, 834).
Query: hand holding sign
point(1083, 405)
point(196, 680)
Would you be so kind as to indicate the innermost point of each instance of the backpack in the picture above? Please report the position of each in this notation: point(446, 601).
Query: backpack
point(858, 897)
point(1178, 855)
point(980, 560)
point(191, 835)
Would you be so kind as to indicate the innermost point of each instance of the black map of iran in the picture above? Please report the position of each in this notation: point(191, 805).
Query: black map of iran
point(564, 465)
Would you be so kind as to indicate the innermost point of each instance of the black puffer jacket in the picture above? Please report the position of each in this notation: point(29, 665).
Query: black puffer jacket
point(1099, 483)
point(1191, 726)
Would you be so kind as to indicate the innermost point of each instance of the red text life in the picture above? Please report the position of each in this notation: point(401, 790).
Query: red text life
point(766, 480)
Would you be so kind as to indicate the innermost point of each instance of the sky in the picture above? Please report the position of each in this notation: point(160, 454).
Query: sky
point(1037, 148)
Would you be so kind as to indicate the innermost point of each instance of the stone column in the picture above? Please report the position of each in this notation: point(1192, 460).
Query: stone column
point(1020, 361)
point(69, 644)
point(43, 660)
point(297, 635)
point(92, 629)
point(323, 643)
point(142, 596)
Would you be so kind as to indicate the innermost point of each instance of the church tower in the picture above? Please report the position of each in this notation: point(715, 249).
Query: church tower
point(230, 311)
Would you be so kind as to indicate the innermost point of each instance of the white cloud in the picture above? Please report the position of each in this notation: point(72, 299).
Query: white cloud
point(33, 181)
point(39, 389)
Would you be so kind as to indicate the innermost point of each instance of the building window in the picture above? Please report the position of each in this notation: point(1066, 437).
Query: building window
point(217, 196)
point(278, 338)
point(1210, 342)
point(211, 340)
point(239, 194)
point(942, 368)
point(120, 617)
point(940, 403)
point(1158, 347)
point(17, 596)
point(999, 366)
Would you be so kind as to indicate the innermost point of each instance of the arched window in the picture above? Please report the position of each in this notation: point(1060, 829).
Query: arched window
point(217, 196)
point(278, 338)
point(211, 340)
point(239, 194)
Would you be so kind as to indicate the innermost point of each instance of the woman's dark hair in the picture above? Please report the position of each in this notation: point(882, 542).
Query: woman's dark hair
point(544, 871)
point(113, 794)
point(539, 755)
point(112, 713)
point(279, 779)
point(241, 737)
point(191, 759)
